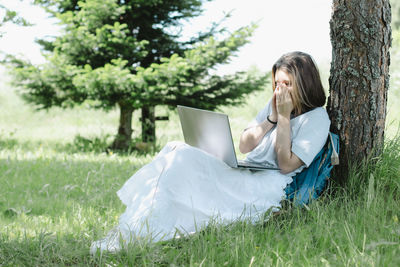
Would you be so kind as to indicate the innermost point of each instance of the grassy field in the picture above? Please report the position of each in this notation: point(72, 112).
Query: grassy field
point(57, 195)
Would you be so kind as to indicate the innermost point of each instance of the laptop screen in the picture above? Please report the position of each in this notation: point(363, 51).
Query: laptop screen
point(210, 131)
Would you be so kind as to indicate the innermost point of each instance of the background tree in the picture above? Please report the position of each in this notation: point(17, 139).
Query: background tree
point(395, 50)
point(359, 78)
point(11, 16)
point(130, 54)
point(395, 7)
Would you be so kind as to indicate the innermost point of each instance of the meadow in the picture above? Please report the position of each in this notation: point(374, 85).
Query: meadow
point(58, 194)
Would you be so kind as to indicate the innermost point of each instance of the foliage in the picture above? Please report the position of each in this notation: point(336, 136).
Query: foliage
point(11, 16)
point(395, 63)
point(394, 88)
point(96, 144)
point(49, 84)
point(180, 80)
point(129, 54)
point(395, 4)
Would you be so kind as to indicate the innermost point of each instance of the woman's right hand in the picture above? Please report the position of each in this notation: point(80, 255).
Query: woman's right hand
point(274, 114)
point(283, 101)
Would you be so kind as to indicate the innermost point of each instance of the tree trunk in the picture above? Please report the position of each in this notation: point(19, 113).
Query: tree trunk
point(359, 78)
point(123, 139)
point(148, 125)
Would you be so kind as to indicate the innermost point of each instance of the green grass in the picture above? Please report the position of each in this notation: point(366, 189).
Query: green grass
point(53, 205)
point(56, 199)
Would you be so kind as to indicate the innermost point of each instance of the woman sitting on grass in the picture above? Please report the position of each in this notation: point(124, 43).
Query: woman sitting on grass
point(184, 188)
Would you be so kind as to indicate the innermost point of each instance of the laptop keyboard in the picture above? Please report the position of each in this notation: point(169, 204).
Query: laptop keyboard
point(256, 165)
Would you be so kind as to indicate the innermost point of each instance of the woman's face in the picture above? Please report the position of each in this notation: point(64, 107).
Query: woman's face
point(283, 79)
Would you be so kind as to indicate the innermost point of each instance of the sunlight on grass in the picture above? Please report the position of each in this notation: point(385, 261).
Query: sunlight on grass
point(56, 199)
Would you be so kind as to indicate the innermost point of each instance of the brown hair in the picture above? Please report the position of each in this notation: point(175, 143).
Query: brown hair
point(308, 91)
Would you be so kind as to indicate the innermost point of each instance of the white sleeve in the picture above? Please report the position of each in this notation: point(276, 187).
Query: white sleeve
point(312, 136)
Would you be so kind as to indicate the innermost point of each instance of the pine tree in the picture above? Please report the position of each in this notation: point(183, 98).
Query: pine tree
point(129, 54)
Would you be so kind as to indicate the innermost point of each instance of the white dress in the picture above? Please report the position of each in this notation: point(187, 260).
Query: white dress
point(184, 188)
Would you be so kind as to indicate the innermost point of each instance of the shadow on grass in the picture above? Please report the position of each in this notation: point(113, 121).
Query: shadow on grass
point(51, 209)
point(45, 249)
point(81, 144)
point(8, 143)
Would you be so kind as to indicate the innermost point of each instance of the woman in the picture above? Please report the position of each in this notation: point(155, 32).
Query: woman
point(183, 188)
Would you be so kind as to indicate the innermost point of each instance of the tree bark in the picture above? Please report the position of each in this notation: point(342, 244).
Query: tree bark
point(359, 78)
point(123, 138)
point(148, 124)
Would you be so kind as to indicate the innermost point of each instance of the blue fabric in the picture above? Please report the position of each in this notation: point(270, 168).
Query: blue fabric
point(309, 183)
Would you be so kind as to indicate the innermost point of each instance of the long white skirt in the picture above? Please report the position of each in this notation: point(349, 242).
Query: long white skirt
point(183, 189)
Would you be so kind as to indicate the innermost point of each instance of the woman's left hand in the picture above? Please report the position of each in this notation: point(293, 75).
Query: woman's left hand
point(284, 102)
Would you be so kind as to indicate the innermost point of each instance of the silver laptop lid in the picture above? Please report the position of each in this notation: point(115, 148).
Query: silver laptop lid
point(209, 131)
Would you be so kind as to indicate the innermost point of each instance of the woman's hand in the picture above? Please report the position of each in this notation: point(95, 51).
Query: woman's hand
point(283, 101)
point(287, 160)
point(274, 113)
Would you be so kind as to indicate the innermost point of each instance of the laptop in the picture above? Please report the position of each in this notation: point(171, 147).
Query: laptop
point(210, 131)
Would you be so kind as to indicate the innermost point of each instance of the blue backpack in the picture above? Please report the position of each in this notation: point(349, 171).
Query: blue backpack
point(310, 182)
